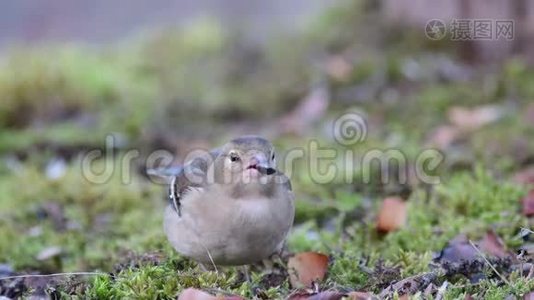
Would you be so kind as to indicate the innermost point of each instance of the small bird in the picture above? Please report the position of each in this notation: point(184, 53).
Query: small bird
point(231, 206)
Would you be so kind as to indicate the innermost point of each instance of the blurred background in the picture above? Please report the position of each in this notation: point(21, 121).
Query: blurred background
point(179, 75)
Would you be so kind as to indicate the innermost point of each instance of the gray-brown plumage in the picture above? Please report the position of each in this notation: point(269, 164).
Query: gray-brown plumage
point(230, 206)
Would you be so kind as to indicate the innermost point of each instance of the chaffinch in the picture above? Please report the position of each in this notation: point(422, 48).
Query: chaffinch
point(230, 206)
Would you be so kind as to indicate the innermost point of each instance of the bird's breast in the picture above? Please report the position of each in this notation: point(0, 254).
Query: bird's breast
point(235, 231)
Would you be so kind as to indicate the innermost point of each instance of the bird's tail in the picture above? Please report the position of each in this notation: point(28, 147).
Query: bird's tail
point(164, 173)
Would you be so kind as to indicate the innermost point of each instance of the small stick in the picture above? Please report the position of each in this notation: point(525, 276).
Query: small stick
point(530, 273)
point(54, 275)
point(487, 261)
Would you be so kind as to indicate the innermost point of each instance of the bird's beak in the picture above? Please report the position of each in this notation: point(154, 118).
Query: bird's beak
point(260, 163)
point(266, 170)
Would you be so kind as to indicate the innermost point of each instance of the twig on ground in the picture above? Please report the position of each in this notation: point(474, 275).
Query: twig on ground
point(488, 262)
point(54, 275)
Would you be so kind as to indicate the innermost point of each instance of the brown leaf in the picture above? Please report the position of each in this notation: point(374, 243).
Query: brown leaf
point(525, 176)
point(472, 119)
point(444, 136)
point(528, 204)
point(310, 110)
point(359, 296)
point(392, 214)
point(307, 267)
point(194, 294)
point(460, 249)
point(493, 245)
point(529, 114)
point(338, 67)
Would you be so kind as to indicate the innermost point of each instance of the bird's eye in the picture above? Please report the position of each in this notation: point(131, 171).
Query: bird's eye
point(234, 157)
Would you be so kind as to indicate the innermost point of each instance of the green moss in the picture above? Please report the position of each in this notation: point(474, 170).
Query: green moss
point(348, 269)
point(518, 286)
point(102, 218)
point(165, 281)
point(194, 80)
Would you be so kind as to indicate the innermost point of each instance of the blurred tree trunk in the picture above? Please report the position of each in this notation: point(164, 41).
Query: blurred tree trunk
point(467, 48)
point(418, 12)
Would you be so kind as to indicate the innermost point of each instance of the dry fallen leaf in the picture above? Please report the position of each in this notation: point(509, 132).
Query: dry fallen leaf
point(310, 110)
point(459, 249)
point(194, 294)
point(359, 296)
point(310, 295)
point(528, 204)
point(529, 114)
point(392, 214)
point(444, 136)
point(525, 176)
point(493, 245)
point(307, 267)
point(472, 119)
point(338, 67)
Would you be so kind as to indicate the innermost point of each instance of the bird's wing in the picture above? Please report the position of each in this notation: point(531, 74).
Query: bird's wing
point(283, 180)
point(165, 172)
point(192, 175)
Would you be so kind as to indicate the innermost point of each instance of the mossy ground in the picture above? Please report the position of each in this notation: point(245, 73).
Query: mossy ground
point(146, 90)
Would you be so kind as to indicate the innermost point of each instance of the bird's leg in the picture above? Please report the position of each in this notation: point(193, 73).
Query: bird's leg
point(271, 261)
point(268, 265)
point(211, 260)
point(277, 258)
point(204, 267)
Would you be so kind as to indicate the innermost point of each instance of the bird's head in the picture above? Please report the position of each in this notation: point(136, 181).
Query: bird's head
point(247, 159)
